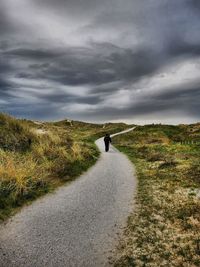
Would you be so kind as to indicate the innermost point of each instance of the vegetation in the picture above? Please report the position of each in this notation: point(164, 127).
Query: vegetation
point(36, 157)
point(164, 230)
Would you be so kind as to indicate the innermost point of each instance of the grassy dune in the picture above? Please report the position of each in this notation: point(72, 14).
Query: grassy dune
point(37, 157)
point(165, 227)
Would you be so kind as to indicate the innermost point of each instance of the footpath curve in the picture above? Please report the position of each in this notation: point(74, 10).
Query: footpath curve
point(77, 225)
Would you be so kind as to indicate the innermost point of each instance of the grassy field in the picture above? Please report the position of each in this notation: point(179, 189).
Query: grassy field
point(36, 157)
point(164, 230)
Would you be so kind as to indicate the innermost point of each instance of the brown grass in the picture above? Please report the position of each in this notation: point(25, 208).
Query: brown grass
point(37, 157)
point(164, 230)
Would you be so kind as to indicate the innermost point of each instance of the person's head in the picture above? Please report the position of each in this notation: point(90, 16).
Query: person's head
point(107, 134)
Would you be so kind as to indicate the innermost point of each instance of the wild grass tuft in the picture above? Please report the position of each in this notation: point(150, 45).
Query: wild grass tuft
point(164, 230)
point(35, 157)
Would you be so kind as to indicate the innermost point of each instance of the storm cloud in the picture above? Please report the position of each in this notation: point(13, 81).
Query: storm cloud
point(134, 61)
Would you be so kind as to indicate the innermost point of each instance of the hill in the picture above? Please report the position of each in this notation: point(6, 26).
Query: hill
point(36, 157)
point(165, 228)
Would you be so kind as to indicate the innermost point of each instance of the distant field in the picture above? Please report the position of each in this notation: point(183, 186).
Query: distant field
point(36, 157)
point(165, 227)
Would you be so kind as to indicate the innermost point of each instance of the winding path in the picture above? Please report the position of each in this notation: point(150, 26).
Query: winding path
point(78, 224)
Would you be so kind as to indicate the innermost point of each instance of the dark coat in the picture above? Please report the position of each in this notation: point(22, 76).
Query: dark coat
point(107, 139)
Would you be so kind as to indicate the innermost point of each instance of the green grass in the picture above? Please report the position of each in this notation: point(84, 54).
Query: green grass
point(164, 230)
point(37, 157)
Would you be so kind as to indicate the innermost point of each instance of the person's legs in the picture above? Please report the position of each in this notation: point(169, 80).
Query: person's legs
point(106, 147)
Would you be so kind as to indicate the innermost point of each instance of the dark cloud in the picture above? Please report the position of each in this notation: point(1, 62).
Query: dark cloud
point(194, 3)
point(4, 66)
point(35, 54)
point(86, 66)
point(75, 7)
point(6, 24)
point(176, 100)
point(180, 47)
point(87, 52)
point(70, 98)
point(4, 87)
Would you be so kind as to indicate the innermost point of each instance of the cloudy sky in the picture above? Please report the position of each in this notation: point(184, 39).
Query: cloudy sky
point(109, 60)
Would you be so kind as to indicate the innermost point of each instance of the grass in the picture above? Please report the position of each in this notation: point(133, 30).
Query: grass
point(36, 157)
point(164, 230)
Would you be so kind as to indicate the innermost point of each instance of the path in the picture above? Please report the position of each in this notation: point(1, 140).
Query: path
point(78, 224)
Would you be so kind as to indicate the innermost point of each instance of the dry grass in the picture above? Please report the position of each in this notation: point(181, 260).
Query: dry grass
point(164, 230)
point(37, 157)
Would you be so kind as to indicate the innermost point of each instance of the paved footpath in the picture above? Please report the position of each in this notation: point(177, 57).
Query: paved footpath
point(78, 224)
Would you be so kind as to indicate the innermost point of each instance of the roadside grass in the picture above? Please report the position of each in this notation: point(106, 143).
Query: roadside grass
point(36, 157)
point(164, 230)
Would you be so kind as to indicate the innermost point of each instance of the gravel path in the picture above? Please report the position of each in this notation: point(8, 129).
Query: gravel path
point(78, 224)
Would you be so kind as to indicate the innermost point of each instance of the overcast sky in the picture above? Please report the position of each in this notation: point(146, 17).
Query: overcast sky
point(101, 60)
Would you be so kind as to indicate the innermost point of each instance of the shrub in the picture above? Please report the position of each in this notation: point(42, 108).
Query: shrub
point(14, 136)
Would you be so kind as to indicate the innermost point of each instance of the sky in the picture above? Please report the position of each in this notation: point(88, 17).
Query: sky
point(136, 61)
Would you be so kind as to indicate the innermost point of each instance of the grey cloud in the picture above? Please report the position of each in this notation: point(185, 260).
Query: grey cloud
point(176, 99)
point(181, 48)
point(124, 42)
point(87, 66)
point(185, 100)
point(70, 98)
point(76, 7)
point(34, 111)
point(35, 54)
point(6, 24)
point(194, 3)
point(4, 66)
point(4, 87)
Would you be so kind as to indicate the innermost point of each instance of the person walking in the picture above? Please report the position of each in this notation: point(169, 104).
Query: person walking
point(107, 141)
